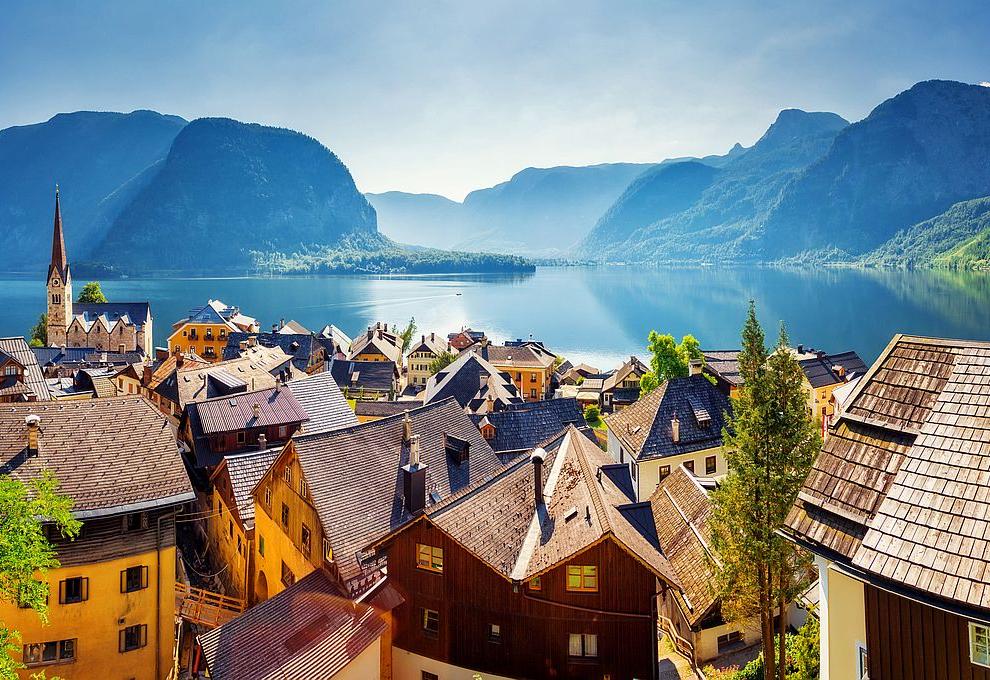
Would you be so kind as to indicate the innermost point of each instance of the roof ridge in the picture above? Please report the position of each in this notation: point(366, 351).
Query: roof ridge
point(592, 482)
point(690, 525)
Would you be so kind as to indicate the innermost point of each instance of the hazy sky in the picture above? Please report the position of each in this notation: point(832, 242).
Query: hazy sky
point(446, 97)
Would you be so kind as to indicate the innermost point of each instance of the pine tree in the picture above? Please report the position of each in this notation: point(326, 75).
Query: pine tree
point(771, 442)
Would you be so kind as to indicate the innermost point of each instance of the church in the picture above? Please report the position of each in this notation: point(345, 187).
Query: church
point(107, 326)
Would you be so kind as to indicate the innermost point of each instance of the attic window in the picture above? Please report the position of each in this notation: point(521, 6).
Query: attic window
point(701, 415)
point(456, 448)
point(570, 514)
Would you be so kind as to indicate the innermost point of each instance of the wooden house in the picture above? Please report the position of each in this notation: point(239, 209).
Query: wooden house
point(21, 377)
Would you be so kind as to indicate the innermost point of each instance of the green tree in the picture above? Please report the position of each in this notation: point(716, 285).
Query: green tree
point(407, 334)
point(92, 292)
point(443, 360)
point(39, 332)
point(771, 442)
point(669, 359)
point(25, 552)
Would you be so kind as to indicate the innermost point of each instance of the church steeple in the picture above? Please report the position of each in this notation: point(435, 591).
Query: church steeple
point(59, 261)
point(59, 286)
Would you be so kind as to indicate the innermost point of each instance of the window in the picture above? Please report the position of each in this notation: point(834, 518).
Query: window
point(429, 676)
point(307, 540)
point(73, 590)
point(303, 488)
point(710, 465)
point(582, 646)
point(135, 521)
point(689, 465)
point(532, 377)
point(582, 578)
point(261, 545)
point(230, 528)
point(283, 431)
point(239, 545)
point(287, 474)
point(863, 668)
point(429, 557)
point(327, 550)
point(431, 622)
point(979, 644)
point(519, 378)
point(133, 578)
point(288, 578)
point(495, 633)
point(728, 640)
point(536, 583)
point(241, 438)
point(12, 370)
point(664, 471)
point(268, 496)
point(43, 653)
point(285, 516)
point(133, 637)
point(532, 393)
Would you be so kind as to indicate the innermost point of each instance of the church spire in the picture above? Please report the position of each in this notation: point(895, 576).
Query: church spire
point(59, 260)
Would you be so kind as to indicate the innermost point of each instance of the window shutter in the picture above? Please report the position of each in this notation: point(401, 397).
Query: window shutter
point(123, 581)
point(85, 588)
point(144, 577)
point(121, 636)
point(144, 634)
point(61, 592)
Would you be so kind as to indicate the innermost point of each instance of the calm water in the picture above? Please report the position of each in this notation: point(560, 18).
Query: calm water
point(598, 315)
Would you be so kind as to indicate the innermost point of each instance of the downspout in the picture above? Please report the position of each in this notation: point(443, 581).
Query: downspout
point(158, 588)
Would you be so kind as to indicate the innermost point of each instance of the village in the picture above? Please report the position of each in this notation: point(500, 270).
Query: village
point(266, 500)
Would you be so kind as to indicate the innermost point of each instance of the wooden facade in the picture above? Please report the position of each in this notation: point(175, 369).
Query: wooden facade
point(534, 625)
point(907, 640)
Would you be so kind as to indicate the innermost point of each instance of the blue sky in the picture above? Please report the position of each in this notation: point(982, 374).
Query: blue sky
point(445, 97)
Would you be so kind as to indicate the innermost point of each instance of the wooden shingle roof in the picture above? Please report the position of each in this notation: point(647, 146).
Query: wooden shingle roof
point(34, 379)
point(902, 489)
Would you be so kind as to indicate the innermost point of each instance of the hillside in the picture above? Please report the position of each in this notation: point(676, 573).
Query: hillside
point(692, 210)
point(953, 238)
point(90, 155)
point(423, 219)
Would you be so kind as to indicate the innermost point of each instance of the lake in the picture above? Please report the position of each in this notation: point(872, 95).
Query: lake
point(597, 315)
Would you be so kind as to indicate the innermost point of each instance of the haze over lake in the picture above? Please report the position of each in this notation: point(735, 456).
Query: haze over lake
point(598, 315)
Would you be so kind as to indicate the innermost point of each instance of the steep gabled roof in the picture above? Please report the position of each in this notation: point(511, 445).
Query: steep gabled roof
point(258, 368)
point(108, 313)
point(470, 379)
point(634, 365)
point(323, 402)
point(371, 375)
point(245, 470)
point(430, 343)
point(520, 427)
point(521, 356)
point(377, 340)
point(34, 378)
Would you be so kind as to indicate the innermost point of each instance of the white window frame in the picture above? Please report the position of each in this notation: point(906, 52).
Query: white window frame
point(973, 626)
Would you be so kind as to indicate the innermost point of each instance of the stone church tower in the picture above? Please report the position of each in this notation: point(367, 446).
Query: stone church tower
point(59, 286)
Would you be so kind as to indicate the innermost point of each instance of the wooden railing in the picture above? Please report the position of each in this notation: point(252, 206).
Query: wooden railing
point(206, 607)
point(681, 645)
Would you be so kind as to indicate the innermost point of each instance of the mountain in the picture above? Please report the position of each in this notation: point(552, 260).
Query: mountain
point(227, 189)
point(959, 237)
point(696, 210)
point(912, 158)
point(90, 155)
point(538, 211)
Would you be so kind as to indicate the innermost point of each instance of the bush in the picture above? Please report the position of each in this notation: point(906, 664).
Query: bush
point(592, 414)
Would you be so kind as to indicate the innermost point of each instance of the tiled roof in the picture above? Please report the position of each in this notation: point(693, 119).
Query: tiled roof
point(355, 481)
point(275, 406)
point(525, 356)
point(308, 631)
point(377, 340)
point(323, 403)
point(521, 427)
point(383, 409)
point(245, 470)
point(823, 370)
point(110, 455)
point(84, 356)
point(645, 426)
point(258, 368)
point(18, 348)
point(498, 520)
point(724, 363)
point(430, 343)
point(137, 313)
point(370, 375)
point(337, 336)
point(213, 312)
point(470, 380)
point(681, 511)
point(634, 365)
point(901, 488)
point(301, 347)
point(293, 327)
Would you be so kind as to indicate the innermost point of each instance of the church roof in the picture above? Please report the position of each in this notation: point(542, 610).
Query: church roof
point(108, 313)
point(59, 261)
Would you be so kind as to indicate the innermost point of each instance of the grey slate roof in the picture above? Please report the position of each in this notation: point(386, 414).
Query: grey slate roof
point(323, 402)
point(724, 364)
point(466, 378)
point(383, 409)
point(84, 357)
point(34, 379)
point(245, 470)
point(823, 370)
point(371, 375)
point(136, 312)
point(300, 346)
point(521, 427)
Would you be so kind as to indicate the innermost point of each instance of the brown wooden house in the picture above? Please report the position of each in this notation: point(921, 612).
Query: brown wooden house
point(897, 513)
point(546, 570)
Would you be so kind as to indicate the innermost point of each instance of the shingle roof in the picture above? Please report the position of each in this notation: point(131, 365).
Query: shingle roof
point(430, 343)
point(355, 481)
point(469, 380)
point(110, 455)
point(724, 363)
point(300, 346)
point(245, 470)
point(275, 406)
point(18, 348)
point(521, 427)
point(258, 368)
point(323, 403)
point(136, 313)
point(84, 356)
point(383, 409)
point(377, 340)
point(645, 426)
point(370, 375)
point(681, 511)
point(498, 520)
point(293, 327)
point(824, 370)
point(900, 489)
point(309, 631)
point(634, 365)
point(524, 356)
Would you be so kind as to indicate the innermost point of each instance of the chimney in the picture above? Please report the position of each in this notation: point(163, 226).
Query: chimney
point(242, 345)
point(800, 349)
point(406, 429)
point(414, 480)
point(675, 429)
point(33, 423)
point(281, 324)
point(539, 455)
point(252, 341)
point(256, 410)
point(274, 328)
point(371, 334)
point(262, 442)
point(695, 366)
point(179, 360)
point(840, 370)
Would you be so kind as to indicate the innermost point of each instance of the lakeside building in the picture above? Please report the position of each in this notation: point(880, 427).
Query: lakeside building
point(895, 511)
point(112, 599)
point(108, 326)
point(205, 330)
point(620, 388)
point(421, 355)
point(378, 343)
point(464, 338)
point(528, 365)
point(21, 377)
point(478, 386)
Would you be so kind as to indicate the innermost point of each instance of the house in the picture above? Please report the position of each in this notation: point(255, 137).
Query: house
point(107, 326)
point(377, 344)
point(21, 378)
point(308, 354)
point(464, 338)
point(291, 327)
point(306, 505)
point(323, 402)
point(59, 362)
point(589, 391)
point(204, 331)
point(112, 597)
point(154, 374)
point(529, 366)
point(723, 366)
point(823, 373)
point(334, 341)
point(680, 422)
point(522, 427)
point(547, 569)
point(128, 378)
point(476, 385)
point(309, 630)
point(895, 512)
point(366, 380)
point(574, 375)
point(421, 355)
point(692, 616)
point(621, 387)
point(95, 383)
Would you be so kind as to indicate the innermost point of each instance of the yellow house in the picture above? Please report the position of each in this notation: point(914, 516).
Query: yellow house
point(421, 355)
point(112, 600)
point(128, 378)
point(377, 344)
point(204, 332)
point(822, 374)
point(528, 364)
point(679, 423)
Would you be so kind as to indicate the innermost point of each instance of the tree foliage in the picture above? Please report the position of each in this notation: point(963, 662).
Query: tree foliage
point(443, 360)
point(39, 332)
point(407, 334)
point(669, 359)
point(92, 292)
point(771, 442)
point(26, 553)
